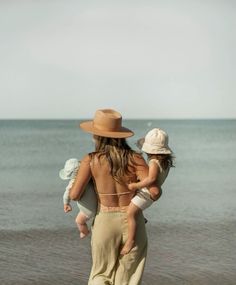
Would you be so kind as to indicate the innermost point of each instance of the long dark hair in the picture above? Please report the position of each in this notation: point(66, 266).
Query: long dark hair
point(119, 155)
point(166, 160)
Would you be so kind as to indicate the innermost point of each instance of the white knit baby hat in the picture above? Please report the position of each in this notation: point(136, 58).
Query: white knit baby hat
point(70, 166)
point(156, 142)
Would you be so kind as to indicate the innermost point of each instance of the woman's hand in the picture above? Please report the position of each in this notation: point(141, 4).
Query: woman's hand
point(155, 193)
point(67, 208)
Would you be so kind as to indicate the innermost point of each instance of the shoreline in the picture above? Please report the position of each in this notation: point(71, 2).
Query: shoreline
point(58, 257)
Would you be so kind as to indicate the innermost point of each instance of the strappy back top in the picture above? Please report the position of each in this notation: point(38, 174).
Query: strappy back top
point(114, 194)
point(118, 195)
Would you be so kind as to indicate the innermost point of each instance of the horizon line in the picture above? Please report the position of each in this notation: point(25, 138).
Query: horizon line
point(74, 119)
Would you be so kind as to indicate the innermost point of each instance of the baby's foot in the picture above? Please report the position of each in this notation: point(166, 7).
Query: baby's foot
point(84, 231)
point(127, 247)
point(83, 235)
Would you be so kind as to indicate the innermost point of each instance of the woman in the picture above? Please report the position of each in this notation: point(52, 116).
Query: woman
point(112, 166)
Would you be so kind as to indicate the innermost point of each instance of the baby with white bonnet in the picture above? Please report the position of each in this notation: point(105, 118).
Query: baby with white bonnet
point(88, 202)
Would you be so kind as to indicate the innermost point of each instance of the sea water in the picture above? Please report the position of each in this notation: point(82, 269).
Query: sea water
point(191, 229)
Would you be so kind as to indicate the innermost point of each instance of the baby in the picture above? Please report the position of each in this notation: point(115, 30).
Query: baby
point(155, 145)
point(88, 202)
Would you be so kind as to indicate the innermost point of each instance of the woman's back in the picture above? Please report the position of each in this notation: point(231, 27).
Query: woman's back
point(111, 192)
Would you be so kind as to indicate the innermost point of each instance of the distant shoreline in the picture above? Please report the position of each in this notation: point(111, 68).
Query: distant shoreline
point(131, 119)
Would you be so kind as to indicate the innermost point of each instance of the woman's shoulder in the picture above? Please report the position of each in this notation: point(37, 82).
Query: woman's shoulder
point(139, 162)
point(86, 159)
point(138, 158)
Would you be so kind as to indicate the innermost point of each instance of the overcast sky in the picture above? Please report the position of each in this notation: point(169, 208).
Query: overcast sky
point(147, 59)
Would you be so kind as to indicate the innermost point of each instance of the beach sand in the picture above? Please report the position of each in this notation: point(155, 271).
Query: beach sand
point(43, 257)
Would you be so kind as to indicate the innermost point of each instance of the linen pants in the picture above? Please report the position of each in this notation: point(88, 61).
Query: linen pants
point(109, 233)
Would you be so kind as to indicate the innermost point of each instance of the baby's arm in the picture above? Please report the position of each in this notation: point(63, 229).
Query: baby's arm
point(149, 180)
point(66, 201)
point(66, 197)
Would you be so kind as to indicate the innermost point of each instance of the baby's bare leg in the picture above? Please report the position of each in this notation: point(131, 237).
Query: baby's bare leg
point(131, 215)
point(81, 220)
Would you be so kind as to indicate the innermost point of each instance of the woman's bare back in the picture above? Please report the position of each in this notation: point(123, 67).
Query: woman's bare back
point(110, 192)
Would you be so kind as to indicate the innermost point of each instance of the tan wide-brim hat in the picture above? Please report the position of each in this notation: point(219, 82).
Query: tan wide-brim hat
point(107, 123)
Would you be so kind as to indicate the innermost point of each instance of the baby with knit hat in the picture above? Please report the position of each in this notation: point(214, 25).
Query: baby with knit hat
point(88, 202)
point(160, 159)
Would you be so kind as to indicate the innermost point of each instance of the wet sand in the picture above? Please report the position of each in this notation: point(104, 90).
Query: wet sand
point(201, 254)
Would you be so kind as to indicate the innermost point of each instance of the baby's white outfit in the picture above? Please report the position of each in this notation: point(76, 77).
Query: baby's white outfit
point(142, 199)
point(87, 203)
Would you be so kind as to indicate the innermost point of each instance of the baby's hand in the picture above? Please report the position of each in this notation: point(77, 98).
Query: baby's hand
point(67, 208)
point(132, 186)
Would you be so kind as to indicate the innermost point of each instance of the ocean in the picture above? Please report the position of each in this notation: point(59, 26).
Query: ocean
point(191, 229)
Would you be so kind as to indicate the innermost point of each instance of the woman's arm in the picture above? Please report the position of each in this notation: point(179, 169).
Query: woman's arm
point(149, 180)
point(82, 178)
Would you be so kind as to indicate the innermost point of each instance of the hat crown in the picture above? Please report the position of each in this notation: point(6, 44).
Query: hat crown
point(157, 137)
point(70, 165)
point(107, 120)
point(107, 123)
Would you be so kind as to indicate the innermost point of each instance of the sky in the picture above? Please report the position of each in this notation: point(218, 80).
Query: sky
point(159, 59)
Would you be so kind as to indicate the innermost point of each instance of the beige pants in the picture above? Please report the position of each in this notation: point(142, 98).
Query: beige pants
point(109, 234)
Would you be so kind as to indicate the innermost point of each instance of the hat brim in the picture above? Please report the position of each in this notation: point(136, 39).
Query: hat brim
point(155, 150)
point(122, 133)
